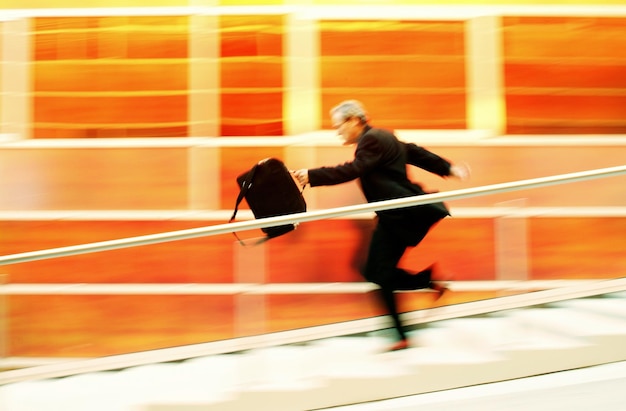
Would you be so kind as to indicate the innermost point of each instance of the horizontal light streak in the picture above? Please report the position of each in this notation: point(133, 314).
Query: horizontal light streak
point(547, 92)
point(320, 12)
point(323, 138)
point(263, 289)
point(110, 125)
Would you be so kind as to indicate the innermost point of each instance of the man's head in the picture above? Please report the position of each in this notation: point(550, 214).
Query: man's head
point(349, 118)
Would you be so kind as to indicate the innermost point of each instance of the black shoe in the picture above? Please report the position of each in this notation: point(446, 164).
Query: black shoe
point(400, 345)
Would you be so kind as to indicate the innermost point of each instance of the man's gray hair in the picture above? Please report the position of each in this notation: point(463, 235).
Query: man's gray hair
point(350, 108)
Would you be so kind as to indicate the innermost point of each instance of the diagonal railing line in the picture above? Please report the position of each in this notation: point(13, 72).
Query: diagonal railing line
point(311, 215)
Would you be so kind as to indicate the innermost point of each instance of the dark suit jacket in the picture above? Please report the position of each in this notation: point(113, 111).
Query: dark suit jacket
point(380, 161)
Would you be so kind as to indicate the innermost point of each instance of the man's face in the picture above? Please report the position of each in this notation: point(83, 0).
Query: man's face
point(347, 129)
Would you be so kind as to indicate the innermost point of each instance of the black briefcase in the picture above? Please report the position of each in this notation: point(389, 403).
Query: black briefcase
point(270, 190)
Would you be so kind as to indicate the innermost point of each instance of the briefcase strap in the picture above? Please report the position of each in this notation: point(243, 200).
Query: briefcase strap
point(245, 186)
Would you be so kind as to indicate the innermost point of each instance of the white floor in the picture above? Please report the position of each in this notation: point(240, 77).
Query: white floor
point(601, 388)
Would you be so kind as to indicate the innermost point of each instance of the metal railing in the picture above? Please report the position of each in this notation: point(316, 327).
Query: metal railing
point(311, 215)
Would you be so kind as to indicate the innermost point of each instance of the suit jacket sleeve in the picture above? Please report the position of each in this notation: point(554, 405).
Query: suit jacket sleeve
point(424, 159)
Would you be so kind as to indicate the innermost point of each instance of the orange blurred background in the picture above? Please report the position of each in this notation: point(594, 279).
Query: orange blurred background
point(115, 76)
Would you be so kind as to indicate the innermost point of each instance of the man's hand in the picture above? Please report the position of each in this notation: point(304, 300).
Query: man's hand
point(302, 176)
point(461, 171)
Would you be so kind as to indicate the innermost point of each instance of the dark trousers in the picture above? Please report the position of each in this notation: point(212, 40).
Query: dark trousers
point(385, 251)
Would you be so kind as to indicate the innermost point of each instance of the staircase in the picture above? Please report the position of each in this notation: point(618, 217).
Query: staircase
point(352, 369)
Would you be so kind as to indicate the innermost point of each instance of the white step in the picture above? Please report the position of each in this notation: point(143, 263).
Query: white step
point(360, 362)
point(330, 372)
point(610, 306)
point(606, 332)
point(350, 362)
point(591, 388)
point(528, 350)
point(570, 322)
point(460, 352)
point(202, 380)
point(32, 395)
point(315, 375)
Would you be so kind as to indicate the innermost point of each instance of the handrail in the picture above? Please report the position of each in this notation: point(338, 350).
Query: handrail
point(311, 215)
